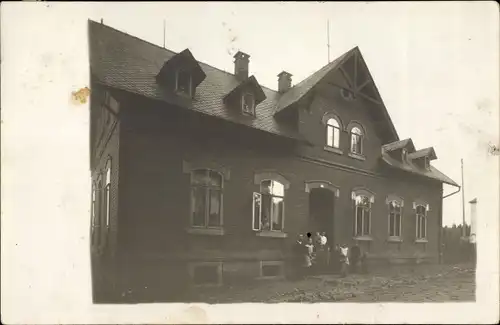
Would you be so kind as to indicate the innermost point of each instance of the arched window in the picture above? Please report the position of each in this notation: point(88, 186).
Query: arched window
point(107, 191)
point(356, 141)
point(206, 198)
point(421, 219)
point(333, 133)
point(269, 206)
point(395, 216)
point(363, 200)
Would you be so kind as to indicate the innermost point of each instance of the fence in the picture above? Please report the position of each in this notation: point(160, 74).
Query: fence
point(455, 247)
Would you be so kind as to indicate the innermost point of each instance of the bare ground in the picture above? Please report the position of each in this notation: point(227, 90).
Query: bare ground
point(437, 283)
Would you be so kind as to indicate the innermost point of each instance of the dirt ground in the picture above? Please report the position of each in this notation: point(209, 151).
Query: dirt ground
point(437, 283)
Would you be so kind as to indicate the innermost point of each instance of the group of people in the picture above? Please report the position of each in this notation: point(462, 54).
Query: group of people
point(313, 255)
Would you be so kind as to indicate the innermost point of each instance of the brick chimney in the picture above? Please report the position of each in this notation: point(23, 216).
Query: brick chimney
point(241, 61)
point(284, 81)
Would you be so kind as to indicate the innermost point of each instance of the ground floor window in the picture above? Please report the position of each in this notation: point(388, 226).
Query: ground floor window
point(271, 269)
point(206, 273)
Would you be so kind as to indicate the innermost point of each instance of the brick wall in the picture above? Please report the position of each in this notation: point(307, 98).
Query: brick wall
point(155, 193)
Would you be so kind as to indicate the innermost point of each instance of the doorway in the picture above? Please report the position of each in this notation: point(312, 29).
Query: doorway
point(321, 210)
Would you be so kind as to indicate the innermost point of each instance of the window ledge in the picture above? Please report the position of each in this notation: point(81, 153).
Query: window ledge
point(206, 231)
point(395, 240)
point(363, 238)
point(421, 240)
point(356, 156)
point(333, 149)
point(274, 234)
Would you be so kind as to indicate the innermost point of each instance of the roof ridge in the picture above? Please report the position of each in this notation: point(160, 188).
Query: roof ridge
point(168, 50)
point(209, 65)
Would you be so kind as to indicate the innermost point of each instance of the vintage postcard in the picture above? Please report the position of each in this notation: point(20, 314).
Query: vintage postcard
point(253, 162)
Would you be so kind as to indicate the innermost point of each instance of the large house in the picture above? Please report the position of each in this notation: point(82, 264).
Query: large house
point(204, 177)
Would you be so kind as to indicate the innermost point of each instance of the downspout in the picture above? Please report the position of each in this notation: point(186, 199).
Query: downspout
point(440, 239)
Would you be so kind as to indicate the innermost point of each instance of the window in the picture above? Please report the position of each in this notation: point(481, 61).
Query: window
point(333, 133)
point(362, 217)
point(98, 217)
point(269, 207)
point(206, 198)
point(427, 163)
point(271, 269)
point(248, 104)
point(404, 154)
point(356, 141)
point(206, 273)
point(346, 94)
point(183, 82)
point(395, 213)
point(107, 190)
point(421, 222)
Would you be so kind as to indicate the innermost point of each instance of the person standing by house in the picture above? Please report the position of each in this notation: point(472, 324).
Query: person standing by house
point(344, 260)
point(309, 254)
point(298, 253)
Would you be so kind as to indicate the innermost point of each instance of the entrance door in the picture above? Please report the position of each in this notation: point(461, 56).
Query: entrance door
point(321, 207)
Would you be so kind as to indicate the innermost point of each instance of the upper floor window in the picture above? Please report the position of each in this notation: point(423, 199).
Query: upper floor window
point(362, 212)
point(269, 206)
point(248, 104)
point(333, 133)
point(206, 198)
point(183, 82)
point(107, 191)
point(421, 220)
point(356, 141)
point(97, 236)
point(395, 215)
point(93, 213)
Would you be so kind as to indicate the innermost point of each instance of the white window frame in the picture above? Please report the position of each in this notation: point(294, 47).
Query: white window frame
point(218, 265)
point(334, 128)
point(371, 200)
point(418, 217)
point(190, 89)
point(281, 264)
point(243, 106)
point(360, 137)
point(400, 202)
point(207, 200)
point(260, 196)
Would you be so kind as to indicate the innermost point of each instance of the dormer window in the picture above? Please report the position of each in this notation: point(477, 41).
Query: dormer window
point(404, 153)
point(427, 164)
point(183, 83)
point(248, 104)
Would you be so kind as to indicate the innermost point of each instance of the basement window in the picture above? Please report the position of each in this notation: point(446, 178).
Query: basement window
point(206, 273)
point(271, 269)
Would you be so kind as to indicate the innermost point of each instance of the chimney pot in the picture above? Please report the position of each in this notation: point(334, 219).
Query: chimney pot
point(284, 81)
point(241, 61)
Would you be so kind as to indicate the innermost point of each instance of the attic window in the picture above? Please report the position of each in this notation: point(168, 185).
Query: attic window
point(248, 104)
point(427, 163)
point(346, 94)
point(183, 82)
point(403, 155)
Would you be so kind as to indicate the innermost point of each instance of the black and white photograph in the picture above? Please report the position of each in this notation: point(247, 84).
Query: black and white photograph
point(213, 154)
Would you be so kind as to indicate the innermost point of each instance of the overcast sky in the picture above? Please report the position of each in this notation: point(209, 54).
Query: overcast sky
point(435, 64)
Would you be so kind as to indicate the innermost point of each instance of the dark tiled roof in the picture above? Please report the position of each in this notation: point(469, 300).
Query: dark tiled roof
point(399, 145)
point(432, 172)
point(128, 63)
point(429, 152)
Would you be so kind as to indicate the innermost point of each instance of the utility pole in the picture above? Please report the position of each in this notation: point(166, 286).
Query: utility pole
point(328, 38)
point(463, 199)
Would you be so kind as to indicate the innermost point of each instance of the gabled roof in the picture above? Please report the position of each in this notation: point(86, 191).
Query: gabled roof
point(427, 152)
point(301, 89)
point(186, 60)
point(252, 83)
point(406, 143)
point(125, 62)
point(432, 172)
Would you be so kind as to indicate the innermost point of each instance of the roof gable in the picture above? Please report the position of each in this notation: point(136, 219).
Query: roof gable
point(250, 84)
point(397, 145)
point(186, 61)
point(427, 152)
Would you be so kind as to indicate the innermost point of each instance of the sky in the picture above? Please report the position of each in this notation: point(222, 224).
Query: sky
point(435, 64)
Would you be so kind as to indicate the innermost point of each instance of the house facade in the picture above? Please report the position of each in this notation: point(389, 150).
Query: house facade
point(203, 177)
